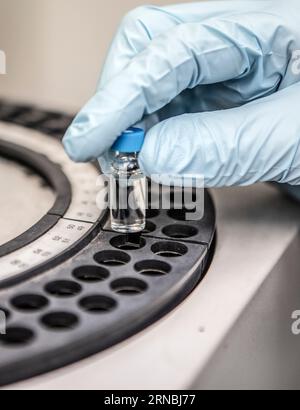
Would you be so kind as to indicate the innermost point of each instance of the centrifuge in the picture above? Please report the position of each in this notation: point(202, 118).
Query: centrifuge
point(200, 304)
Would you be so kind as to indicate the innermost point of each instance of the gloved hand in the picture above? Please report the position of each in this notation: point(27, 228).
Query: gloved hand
point(217, 85)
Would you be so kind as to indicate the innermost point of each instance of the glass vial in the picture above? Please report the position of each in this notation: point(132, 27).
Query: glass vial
point(128, 184)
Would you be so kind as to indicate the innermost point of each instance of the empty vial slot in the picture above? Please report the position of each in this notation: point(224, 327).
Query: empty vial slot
point(17, 336)
point(91, 274)
point(29, 303)
point(150, 227)
point(129, 286)
point(112, 258)
point(169, 249)
point(63, 288)
point(153, 268)
point(180, 231)
point(60, 321)
point(98, 304)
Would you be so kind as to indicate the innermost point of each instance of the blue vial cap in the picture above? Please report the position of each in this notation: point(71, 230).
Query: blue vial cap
point(129, 141)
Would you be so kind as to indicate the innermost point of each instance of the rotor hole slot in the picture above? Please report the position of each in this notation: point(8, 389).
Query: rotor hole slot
point(29, 302)
point(16, 336)
point(180, 231)
point(150, 227)
point(98, 304)
point(153, 268)
point(129, 286)
point(112, 258)
point(60, 321)
point(169, 249)
point(91, 274)
point(63, 288)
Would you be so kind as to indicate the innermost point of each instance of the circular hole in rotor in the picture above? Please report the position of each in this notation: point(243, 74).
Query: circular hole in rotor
point(16, 336)
point(30, 302)
point(129, 286)
point(169, 249)
point(91, 274)
point(112, 258)
point(98, 304)
point(180, 231)
point(60, 321)
point(150, 227)
point(63, 288)
point(128, 242)
point(153, 268)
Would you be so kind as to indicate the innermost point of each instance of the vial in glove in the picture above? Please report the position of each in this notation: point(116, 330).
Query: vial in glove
point(128, 184)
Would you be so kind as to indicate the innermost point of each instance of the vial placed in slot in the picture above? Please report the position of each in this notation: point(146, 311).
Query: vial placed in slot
point(128, 184)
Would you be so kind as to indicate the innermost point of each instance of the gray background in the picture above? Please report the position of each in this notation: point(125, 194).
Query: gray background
point(55, 48)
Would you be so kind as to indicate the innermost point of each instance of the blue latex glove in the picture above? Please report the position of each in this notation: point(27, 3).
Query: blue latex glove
point(219, 83)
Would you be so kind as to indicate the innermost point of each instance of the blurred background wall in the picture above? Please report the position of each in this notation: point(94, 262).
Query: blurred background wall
point(55, 48)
